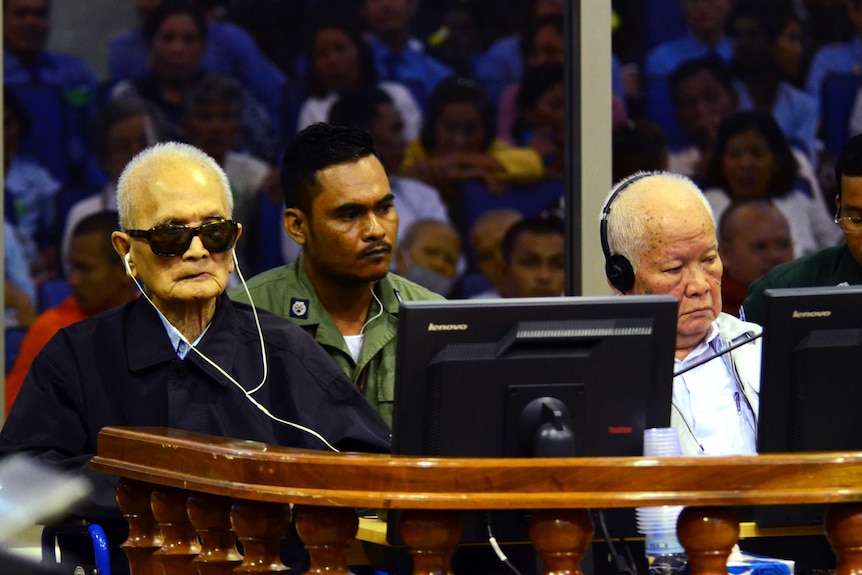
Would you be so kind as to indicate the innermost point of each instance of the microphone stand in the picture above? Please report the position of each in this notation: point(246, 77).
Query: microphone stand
point(739, 341)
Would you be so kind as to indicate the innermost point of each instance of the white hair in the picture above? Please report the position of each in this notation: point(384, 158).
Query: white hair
point(135, 175)
point(626, 226)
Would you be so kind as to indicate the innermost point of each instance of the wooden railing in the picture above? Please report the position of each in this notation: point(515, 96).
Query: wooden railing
point(189, 497)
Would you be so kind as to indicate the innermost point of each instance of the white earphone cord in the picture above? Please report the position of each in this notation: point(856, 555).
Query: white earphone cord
point(247, 393)
point(379, 313)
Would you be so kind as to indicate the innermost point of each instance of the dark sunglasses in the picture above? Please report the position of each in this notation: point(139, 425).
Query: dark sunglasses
point(170, 240)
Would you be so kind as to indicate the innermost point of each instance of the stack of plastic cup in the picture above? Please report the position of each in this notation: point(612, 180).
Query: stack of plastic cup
point(661, 442)
point(658, 524)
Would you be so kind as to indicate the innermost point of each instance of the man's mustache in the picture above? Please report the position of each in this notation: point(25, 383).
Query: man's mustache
point(378, 246)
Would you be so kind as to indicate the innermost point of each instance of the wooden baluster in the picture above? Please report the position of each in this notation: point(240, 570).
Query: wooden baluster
point(326, 533)
point(843, 523)
point(431, 536)
point(260, 527)
point(210, 515)
point(133, 499)
point(708, 535)
point(179, 541)
point(561, 538)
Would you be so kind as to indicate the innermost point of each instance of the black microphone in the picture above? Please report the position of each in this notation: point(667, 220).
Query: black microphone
point(736, 342)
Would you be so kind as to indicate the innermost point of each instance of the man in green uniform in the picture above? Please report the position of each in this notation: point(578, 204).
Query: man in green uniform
point(836, 266)
point(341, 211)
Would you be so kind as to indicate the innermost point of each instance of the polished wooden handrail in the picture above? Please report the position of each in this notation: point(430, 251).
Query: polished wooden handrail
point(558, 491)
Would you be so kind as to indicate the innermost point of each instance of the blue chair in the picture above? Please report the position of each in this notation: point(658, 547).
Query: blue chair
point(52, 293)
point(13, 338)
point(294, 96)
point(49, 131)
point(66, 199)
point(88, 540)
point(529, 200)
point(662, 21)
point(660, 110)
point(59, 128)
point(261, 239)
point(271, 226)
point(472, 284)
point(837, 96)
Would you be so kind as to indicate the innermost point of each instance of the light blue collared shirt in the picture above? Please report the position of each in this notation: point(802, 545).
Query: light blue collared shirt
point(711, 401)
point(666, 57)
point(179, 343)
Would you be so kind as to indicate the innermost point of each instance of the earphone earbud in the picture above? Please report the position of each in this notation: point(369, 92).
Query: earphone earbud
point(248, 393)
point(127, 260)
point(234, 262)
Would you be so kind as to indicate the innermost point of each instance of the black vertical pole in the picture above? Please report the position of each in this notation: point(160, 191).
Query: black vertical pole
point(573, 173)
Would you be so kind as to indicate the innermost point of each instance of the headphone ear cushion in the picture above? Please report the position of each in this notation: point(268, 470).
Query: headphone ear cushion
point(620, 272)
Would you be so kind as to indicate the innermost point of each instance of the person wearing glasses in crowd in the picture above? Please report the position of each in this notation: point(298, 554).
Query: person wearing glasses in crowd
point(835, 266)
point(183, 355)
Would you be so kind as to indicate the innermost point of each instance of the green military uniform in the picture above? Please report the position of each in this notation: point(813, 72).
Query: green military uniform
point(287, 291)
point(829, 267)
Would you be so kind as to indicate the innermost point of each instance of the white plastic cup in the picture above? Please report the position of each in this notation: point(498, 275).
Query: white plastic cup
point(661, 442)
point(664, 516)
point(658, 524)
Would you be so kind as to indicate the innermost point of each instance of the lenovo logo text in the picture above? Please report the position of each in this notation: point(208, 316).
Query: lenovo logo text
point(808, 314)
point(447, 327)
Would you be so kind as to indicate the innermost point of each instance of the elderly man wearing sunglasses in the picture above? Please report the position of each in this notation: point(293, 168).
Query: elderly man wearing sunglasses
point(182, 355)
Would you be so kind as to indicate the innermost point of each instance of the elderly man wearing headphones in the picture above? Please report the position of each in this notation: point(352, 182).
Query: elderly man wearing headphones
point(658, 236)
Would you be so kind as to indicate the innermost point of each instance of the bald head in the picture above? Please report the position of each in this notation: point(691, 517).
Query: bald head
point(422, 228)
point(648, 203)
point(494, 222)
point(663, 224)
point(755, 237)
point(486, 239)
point(430, 244)
point(177, 238)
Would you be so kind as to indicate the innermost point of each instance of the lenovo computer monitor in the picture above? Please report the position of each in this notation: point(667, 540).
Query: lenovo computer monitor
point(809, 390)
point(568, 376)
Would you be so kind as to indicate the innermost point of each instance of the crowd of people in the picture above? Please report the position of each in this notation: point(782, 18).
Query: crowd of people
point(459, 132)
point(475, 112)
point(410, 154)
point(741, 100)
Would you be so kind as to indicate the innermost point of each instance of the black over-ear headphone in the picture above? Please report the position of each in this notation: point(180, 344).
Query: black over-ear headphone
point(618, 268)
